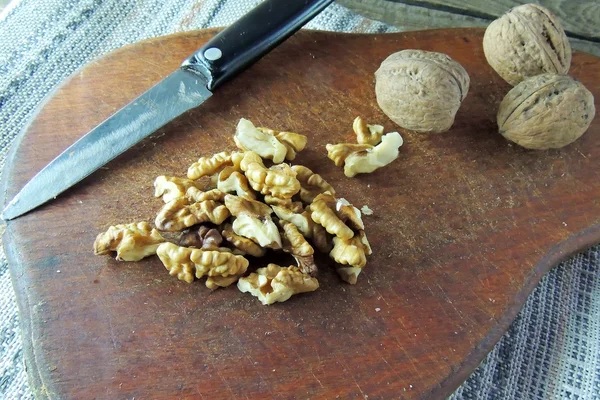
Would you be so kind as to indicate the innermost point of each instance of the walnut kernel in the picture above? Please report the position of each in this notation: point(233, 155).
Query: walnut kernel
point(276, 284)
point(132, 242)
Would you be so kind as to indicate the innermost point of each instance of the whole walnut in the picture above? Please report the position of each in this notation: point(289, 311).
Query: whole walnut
point(546, 111)
point(421, 90)
point(526, 41)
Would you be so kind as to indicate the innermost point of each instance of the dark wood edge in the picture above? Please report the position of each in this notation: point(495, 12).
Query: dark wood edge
point(558, 253)
point(41, 390)
point(24, 304)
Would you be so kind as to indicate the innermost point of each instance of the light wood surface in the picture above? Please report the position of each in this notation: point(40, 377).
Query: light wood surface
point(580, 19)
point(464, 226)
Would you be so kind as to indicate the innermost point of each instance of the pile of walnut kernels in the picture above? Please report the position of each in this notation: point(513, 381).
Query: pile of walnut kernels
point(231, 216)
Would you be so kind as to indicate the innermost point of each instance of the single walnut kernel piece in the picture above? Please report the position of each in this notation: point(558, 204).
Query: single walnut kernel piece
point(349, 252)
point(232, 181)
point(293, 142)
point(195, 195)
point(179, 214)
point(242, 244)
point(209, 165)
point(253, 221)
point(365, 133)
point(201, 237)
point(339, 152)
point(352, 255)
point(170, 187)
point(527, 41)
point(238, 205)
point(311, 184)
point(322, 212)
point(177, 261)
point(215, 282)
point(262, 230)
point(295, 244)
point(132, 242)
point(421, 90)
point(277, 181)
point(295, 206)
point(379, 156)
point(276, 284)
point(248, 137)
point(546, 112)
point(183, 261)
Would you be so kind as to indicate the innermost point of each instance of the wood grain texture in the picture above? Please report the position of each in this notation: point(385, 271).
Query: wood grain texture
point(580, 19)
point(465, 225)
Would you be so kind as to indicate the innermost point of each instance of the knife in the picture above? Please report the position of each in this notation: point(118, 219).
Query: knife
point(225, 55)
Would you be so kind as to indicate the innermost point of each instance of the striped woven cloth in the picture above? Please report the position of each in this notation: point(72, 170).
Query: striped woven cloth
point(552, 350)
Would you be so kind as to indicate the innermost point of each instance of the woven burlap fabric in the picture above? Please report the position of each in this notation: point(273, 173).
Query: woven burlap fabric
point(552, 350)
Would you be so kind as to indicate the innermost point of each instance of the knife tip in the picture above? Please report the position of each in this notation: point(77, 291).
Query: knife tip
point(10, 211)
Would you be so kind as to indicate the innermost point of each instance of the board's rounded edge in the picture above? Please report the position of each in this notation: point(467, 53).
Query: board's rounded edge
point(557, 254)
point(34, 372)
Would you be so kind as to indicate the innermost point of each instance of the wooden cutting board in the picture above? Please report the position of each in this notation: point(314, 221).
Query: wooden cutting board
point(464, 226)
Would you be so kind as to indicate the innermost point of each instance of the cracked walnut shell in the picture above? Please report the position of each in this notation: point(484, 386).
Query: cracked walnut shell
point(276, 284)
point(421, 90)
point(179, 214)
point(546, 111)
point(185, 263)
point(527, 41)
point(132, 242)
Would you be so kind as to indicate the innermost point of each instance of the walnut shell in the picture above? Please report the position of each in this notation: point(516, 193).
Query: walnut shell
point(526, 41)
point(546, 111)
point(421, 90)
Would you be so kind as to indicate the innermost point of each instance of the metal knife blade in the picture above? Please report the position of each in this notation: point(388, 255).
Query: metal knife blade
point(171, 97)
point(225, 55)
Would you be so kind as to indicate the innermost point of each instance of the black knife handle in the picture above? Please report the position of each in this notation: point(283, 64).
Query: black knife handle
point(251, 37)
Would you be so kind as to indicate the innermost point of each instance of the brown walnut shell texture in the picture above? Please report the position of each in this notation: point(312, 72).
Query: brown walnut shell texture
point(526, 41)
point(546, 111)
point(421, 90)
